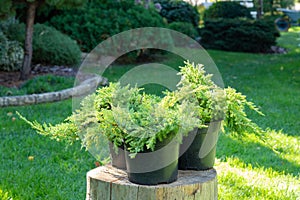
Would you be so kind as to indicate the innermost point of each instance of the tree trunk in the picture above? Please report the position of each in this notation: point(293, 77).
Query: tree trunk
point(109, 183)
point(26, 67)
point(259, 9)
point(272, 7)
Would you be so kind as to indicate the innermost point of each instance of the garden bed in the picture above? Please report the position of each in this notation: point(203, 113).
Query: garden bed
point(11, 79)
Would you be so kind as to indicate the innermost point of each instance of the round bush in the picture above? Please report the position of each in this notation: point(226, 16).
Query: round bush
point(49, 45)
point(185, 28)
point(11, 54)
point(238, 35)
point(96, 22)
point(179, 11)
point(227, 10)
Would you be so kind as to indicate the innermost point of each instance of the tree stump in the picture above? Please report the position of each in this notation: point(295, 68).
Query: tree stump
point(109, 183)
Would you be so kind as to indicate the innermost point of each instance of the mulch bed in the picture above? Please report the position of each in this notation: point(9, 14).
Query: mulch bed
point(11, 79)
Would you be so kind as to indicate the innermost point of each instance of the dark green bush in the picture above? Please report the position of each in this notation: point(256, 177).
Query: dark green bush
point(238, 35)
point(178, 11)
point(49, 45)
point(96, 22)
point(226, 9)
point(185, 28)
point(11, 54)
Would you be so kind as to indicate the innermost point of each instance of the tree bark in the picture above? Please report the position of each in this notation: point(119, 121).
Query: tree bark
point(26, 67)
point(259, 9)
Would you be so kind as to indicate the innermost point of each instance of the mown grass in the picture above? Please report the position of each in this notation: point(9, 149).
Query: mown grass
point(34, 167)
point(249, 166)
point(265, 166)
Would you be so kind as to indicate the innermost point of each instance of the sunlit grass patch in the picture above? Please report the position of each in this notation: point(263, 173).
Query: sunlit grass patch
point(237, 182)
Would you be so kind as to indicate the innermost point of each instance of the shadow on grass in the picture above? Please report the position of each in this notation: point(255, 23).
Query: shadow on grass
point(255, 154)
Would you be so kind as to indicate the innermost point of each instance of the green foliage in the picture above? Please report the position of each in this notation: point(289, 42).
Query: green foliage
point(65, 131)
point(11, 54)
point(185, 28)
point(178, 11)
point(217, 103)
point(49, 45)
point(6, 23)
point(248, 167)
point(9, 7)
point(124, 115)
point(236, 118)
point(271, 6)
point(226, 9)
point(103, 104)
point(147, 119)
point(63, 4)
point(39, 84)
point(6, 9)
point(210, 97)
point(96, 22)
point(47, 83)
point(238, 35)
point(141, 120)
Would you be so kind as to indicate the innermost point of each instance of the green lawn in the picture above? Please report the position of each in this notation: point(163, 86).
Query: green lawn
point(249, 167)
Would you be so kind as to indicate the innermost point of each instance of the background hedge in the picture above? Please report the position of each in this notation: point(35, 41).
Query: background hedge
point(96, 22)
point(184, 27)
point(238, 35)
point(179, 11)
point(49, 45)
point(226, 10)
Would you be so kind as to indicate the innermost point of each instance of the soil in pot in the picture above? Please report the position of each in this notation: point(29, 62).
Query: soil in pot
point(198, 149)
point(154, 167)
point(117, 158)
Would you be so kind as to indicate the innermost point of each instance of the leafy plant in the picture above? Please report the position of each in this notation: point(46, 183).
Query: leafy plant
point(178, 11)
point(185, 28)
point(31, 6)
point(73, 127)
point(141, 120)
point(11, 54)
point(153, 120)
point(127, 115)
point(236, 118)
point(209, 96)
point(217, 103)
point(226, 10)
point(98, 21)
point(238, 35)
point(124, 115)
point(49, 45)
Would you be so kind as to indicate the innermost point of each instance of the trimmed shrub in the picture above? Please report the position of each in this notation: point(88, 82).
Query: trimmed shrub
point(227, 10)
point(185, 28)
point(238, 35)
point(49, 45)
point(179, 11)
point(96, 22)
point(11, 54)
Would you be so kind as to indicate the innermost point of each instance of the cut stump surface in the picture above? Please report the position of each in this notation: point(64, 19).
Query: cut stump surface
point(109, 183)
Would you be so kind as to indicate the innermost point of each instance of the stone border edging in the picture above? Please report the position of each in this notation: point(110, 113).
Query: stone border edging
point(84, 88)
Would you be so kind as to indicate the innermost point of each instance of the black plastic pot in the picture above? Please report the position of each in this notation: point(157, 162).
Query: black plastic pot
point(117, 158)
point(157, 167)
point(198, 149)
